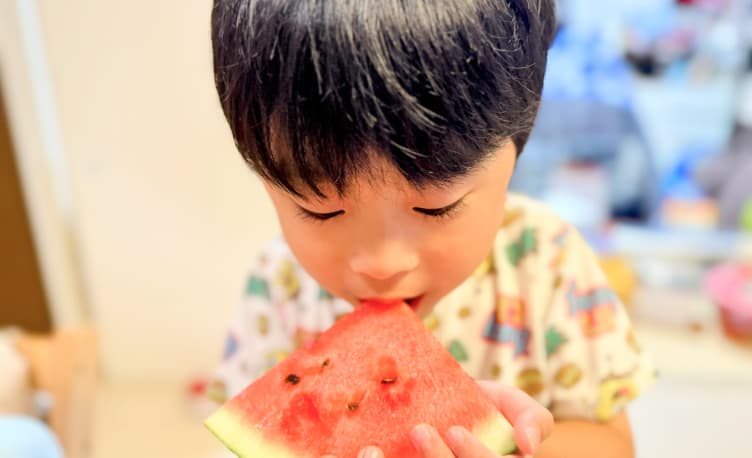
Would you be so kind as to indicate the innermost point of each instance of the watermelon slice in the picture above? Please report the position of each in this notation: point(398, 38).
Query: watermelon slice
point(368, 380)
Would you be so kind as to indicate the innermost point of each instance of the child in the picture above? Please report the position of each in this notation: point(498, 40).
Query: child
point(386, 133)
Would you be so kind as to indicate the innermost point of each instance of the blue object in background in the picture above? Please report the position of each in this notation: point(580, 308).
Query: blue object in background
point(26, 437)
point(647, 132)
point(585, 67)
point(587, 114)
point(679, 183)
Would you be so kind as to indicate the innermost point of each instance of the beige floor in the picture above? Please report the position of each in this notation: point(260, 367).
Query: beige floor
point(149, 420)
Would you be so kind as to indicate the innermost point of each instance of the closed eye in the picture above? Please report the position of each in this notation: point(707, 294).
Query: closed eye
point(308, 214)
point(444, 212)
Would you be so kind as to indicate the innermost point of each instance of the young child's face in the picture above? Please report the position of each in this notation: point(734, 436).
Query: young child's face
point(385, 239)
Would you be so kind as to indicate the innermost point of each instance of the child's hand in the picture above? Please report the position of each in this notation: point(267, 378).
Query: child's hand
point(532, 424)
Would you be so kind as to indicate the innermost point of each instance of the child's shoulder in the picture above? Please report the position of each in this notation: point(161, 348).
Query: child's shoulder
point(533, 236)
point(530, 227)
point(275, 274)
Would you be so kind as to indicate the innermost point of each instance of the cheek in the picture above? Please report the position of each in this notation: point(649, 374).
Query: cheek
point(317, 251)
point(455, 255)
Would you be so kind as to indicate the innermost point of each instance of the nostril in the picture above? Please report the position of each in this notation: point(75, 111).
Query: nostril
point(380, 269)
point(385, 264)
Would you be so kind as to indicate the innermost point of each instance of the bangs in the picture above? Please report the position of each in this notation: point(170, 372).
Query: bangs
point(315, 91)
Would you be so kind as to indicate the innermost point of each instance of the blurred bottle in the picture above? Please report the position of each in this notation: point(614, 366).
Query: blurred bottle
point(745, 222)
point(744, 107)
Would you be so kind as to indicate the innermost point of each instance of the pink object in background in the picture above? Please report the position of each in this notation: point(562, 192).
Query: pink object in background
point(730, 287)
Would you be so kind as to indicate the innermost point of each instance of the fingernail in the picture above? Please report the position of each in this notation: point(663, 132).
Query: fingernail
point(369, 452)
point(456, 436)
point(421, 436)
point(533, 438)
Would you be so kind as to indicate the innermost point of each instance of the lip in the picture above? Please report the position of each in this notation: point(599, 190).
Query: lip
point(413, 301)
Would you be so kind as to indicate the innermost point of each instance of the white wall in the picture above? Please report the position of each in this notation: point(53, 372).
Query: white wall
point(167, 215)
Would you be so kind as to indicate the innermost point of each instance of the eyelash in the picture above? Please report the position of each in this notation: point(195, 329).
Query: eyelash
point(441, 213)
point(438, 213)
point(318, 217)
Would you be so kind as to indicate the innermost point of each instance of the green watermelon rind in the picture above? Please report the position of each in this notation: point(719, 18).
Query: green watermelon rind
point(496, 434)
point(242, 440)
point(246, 442)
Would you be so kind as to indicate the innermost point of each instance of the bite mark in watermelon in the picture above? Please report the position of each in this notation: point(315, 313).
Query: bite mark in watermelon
point(368, 380)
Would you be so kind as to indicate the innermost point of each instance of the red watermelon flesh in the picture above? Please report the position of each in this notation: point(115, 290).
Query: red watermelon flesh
point(368, 380)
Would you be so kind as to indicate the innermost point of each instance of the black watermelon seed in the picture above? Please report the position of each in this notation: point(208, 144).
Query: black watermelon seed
point(353, 406)
point(292, 379)
point(325, 363)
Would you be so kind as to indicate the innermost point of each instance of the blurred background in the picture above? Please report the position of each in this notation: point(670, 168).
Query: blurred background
point(127, 220)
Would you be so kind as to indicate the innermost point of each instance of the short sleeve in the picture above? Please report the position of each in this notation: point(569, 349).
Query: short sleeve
point(258, 336)
point(595, 363)
point(281, 309)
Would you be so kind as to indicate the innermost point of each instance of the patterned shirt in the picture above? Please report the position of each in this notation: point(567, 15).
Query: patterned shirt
point(537, 314)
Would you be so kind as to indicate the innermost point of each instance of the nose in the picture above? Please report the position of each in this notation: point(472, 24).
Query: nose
point(385, 261)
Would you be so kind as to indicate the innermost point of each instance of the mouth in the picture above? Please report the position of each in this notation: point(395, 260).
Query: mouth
point(412, 302)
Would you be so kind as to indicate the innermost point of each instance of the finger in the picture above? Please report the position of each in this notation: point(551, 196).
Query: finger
point(371, 452)
point(429, 443)
point(532, 422)
point(465, 445)
point(511, 401)
point(531, 428)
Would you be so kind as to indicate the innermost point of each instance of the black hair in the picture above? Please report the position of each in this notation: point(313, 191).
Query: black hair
point(313, 89)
